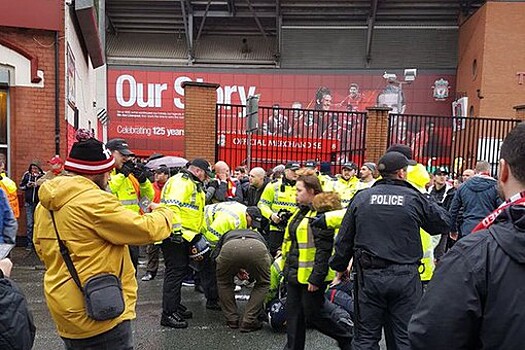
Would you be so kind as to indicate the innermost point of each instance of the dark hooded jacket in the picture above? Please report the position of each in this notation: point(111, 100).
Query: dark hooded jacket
point(478, 197)
point(476, 299)
point(30, 192)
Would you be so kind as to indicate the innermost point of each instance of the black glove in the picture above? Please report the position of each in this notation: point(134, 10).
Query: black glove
point(176, 237)
point(319, 221)
point(140, 173)
point(127, 168)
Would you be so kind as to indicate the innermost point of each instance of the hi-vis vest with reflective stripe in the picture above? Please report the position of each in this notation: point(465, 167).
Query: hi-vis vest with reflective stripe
point(306, 246)
point(346, 189)
point(327, 182)
point(123, 188)
point(426, 270)
point(182, 195)
point(221, 218)
point(273, 199)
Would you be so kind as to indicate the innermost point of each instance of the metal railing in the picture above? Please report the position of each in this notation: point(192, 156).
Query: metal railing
point(287, 134)
point(453, 142)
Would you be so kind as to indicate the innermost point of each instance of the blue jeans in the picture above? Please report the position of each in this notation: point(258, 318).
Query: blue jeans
point(118, 338)
point(30, 214)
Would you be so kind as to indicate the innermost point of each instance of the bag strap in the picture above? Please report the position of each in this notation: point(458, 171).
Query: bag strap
point(65, 255)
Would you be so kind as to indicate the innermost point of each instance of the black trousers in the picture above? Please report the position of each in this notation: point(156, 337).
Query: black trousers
point(118, 338)
point(208, 280)
point(176, 261)
point(134, 254)
point(386, 297)
point(275, 241)
point(303, 306)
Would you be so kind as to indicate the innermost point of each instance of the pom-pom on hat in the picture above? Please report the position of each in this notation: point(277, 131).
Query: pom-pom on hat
point(89, 156)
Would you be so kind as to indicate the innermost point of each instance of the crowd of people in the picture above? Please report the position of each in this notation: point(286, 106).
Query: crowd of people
point(379, 250)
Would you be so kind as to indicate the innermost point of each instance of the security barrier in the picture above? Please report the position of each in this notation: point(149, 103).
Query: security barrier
point(453, 142)
point(288, 134)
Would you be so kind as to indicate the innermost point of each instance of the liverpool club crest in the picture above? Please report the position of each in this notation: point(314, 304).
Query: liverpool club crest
point(440, 89)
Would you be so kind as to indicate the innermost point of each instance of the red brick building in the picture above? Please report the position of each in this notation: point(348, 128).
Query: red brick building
point(48, 53)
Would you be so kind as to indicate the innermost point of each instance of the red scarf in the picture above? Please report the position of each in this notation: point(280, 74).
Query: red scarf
point(517, 199)
point(230, 192)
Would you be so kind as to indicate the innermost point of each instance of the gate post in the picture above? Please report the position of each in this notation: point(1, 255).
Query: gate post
point(520, 112)
point(376, 132)
point(200, 124)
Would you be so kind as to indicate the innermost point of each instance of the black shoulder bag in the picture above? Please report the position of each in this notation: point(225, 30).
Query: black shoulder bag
point(102, 293)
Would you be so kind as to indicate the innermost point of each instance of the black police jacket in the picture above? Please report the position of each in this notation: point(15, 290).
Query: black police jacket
point(476, 299)
point(384, 221)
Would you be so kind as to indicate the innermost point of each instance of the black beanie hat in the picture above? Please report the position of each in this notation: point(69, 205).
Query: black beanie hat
point(90, 157)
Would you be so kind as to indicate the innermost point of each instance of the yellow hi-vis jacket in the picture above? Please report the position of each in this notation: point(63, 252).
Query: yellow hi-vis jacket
point(131, 194)
point(346, 189)
point(221, 218)
point(306, 246)
point(9, 187)
point(277, 196)
point(418, 176)
point(276, 277)
point(327, 182)
point(186, 198)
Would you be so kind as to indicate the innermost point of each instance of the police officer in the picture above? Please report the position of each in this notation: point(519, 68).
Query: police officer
point(129, 182)
point(381, 232)
point(279, 195)
point(219, 219)
point(184, 195)
point(346, 183)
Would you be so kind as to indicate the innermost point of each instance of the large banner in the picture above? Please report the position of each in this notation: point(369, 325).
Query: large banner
point(147, 107)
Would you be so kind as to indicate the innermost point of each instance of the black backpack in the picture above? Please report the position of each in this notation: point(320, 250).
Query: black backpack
point(17, 330)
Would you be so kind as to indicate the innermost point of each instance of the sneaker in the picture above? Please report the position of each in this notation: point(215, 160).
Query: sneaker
point(148, 276)
point(174, 321)
point(237, 289)
point(213, 305)
point(188, 283)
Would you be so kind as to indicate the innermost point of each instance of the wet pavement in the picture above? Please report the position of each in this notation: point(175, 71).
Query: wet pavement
point(206, 330)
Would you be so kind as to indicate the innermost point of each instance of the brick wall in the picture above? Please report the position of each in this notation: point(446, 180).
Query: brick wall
point(376, 133)
point(199, 118)
point(493, 37)
point(32, 110)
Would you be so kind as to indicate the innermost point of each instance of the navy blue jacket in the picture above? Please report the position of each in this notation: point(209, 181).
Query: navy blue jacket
point(8, 223)
point(478, 197)
point(476, 298)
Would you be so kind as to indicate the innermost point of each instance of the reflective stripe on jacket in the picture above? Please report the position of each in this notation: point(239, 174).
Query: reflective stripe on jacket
point(222, 218)
point(346, 189)
point(306, 248)
point(273, 199)
point(186, 198)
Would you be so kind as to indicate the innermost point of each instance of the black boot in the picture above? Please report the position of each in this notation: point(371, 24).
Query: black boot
point(174, 321)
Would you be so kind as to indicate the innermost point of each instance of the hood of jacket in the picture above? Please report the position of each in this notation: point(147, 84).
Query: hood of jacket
point(418, 176)
point(326, 201)
point(35, 164)
point(56, 193)
point(509, 232)
point(480, 183)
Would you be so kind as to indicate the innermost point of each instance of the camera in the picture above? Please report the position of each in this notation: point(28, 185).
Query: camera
point(284, 215)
